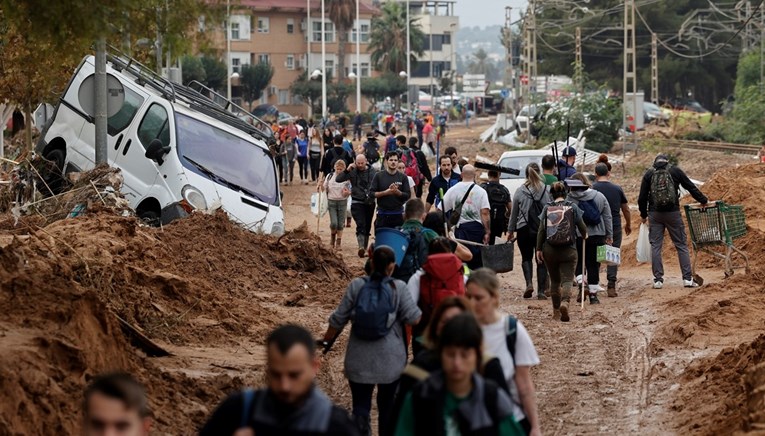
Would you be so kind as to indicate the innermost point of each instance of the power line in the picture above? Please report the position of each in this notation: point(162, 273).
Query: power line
point(715, 50)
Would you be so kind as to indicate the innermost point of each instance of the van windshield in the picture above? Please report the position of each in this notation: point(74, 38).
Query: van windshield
point(519, 163)
point(226, 159)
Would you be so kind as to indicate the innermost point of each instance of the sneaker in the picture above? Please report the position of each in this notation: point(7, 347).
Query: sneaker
point(612, 291)
point(564, 312)
point(594, 299)
point(578, 279)
point(690, 284)
point(529, 292)
point(658, 284)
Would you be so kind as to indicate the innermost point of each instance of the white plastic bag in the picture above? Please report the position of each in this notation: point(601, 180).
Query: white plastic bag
point(348, 210)
point(643, 245)
point(319, 203)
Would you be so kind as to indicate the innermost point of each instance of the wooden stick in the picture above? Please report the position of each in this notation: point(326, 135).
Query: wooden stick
point(584, 269)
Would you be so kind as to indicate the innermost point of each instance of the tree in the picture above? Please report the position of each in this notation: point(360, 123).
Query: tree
point(342, 14)
point(254, 79)
point(193, 69)
point(216, 72)
point(379, 88)
point(308, 90)
point(482, 65)
point(387, 40)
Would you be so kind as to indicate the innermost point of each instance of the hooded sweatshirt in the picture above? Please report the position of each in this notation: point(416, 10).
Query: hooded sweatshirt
point(522, 200)
point(680, 179)
point(605, 227)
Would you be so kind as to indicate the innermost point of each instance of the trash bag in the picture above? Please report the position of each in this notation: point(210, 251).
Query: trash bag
point(643, 245)
point(319, 204)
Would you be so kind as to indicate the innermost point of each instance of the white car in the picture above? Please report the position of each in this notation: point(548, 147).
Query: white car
point(524, 116)
point(178, 150)
point(518, 160)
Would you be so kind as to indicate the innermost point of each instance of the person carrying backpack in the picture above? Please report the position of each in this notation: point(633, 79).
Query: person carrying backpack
point(528, 202)
point(291, 404)
point(505, 337)
point(419, 239)
point(441, 276)
point(411, 163)
point(424, 168)
point(659, 204)
point(596, 214)
point(333, 155)
point(501, 205)
point(556, 247)
point(457, 399)
point(378, 306)
point(371, 149)
point(390, 141)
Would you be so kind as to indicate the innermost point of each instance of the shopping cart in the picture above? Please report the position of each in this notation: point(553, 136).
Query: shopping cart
point(717, 224)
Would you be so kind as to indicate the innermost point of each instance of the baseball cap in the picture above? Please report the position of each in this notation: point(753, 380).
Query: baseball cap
point(569, 151)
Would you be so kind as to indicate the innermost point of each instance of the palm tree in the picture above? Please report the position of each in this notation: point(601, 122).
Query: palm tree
point(387, 41)
point(342, 13)
point(481, 64)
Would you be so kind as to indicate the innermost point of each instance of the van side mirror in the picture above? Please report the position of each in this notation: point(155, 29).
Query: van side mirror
point(156, 151)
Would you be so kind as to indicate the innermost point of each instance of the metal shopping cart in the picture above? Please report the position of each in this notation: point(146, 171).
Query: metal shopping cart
point(718, 224)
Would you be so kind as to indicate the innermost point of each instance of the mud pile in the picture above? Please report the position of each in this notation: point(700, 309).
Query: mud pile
point(68, 289)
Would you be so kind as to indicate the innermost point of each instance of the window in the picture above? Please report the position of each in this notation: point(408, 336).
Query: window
point(235, 31)
point(365, 69)
point(155, 125)
point(264, 98)
point(119, 121)
point(263, 23)
point(447, 38)
point(236, 65)
point(290, 63)
point(284, 96)
point(290, 25)
point(264, 59)
point(329, 67)
point(364, 33)
point(329, 29)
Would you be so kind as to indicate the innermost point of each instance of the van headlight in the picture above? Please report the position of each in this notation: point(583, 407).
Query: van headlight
point(194, 197)
point(277, 229)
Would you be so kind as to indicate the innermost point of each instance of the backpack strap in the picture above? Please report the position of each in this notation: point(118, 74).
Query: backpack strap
point(491, 402)
point(511, 334)
point(248, 396)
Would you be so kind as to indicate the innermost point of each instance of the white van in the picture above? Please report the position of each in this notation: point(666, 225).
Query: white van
point(177, 149)
point(518, 160)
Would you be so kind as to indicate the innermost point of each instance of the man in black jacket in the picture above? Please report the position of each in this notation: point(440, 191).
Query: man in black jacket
point(444, 180)
point(292, 404)
point(333, 155)
point(391, 189)
point(659, 204)
point(362, 199)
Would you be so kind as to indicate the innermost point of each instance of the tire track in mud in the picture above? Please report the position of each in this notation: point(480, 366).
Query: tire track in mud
point(595, 376)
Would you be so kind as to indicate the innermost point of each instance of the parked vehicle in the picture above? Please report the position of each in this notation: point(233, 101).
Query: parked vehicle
point(654, 114)
point(177, 149)
point(524, 115)
point(519, 160)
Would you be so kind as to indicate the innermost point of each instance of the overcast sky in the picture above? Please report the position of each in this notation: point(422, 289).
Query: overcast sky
point(486, 12)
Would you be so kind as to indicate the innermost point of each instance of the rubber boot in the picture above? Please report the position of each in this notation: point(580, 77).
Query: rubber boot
point(541, 281)
point(528, 273)
point(556, 307)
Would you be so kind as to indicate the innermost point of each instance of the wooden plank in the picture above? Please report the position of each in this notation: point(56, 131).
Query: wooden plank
point(141, 341)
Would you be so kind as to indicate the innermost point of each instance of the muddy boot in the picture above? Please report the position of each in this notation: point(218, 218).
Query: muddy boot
point(528, 272)
point(339, 240)
point(556, 306)
point(612, 290)
point(362, 248)
point(332, 239)
point(348, 222)
point(564, 312)
point(542, 285)
point(556, 314)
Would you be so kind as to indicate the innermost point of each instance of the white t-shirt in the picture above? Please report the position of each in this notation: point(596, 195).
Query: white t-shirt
point(414, 285)
point(411, 182)
point(471, 210)
point(495, 343)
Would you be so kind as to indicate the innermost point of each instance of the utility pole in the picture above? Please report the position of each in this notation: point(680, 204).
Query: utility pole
point(630, 71)
point(509, 46)
point(229, 68)
point(531, 62)
point(409, 63)
point(323, 66)
point(578, 74)
point(100, 103)
point(762, 50)
point(308, 38)
point(654, 70)
point(358, 58)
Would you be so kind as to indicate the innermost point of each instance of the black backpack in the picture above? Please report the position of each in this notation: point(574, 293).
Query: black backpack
point(590, 212)
point(499, 196)
point(416, 255)
point(535, 210)
point(371, 151)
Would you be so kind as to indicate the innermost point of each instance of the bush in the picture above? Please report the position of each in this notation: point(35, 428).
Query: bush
point(599, 117)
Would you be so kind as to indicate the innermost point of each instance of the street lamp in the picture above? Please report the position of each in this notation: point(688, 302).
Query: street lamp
point(358, 57)
point(316, 74)
point(403, 75)
point(229, 69)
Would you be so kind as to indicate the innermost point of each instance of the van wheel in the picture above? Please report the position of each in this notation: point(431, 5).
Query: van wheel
point(150, 217)
point(54, 175)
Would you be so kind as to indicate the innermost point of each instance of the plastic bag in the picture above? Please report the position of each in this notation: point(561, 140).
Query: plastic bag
point(319, 204)
point(643, 245)
point(348, 210)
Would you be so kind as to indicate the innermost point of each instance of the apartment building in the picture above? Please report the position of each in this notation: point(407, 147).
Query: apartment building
point(439, 24)
point(284, 34)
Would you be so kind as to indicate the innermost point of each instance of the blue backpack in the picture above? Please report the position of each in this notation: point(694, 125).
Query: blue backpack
point(590, 212)
point(375, 307)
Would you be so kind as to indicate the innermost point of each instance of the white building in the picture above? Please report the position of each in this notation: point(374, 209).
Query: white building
point(439, 24)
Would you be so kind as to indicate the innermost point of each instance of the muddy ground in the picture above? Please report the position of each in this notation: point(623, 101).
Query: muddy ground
point(674, 361)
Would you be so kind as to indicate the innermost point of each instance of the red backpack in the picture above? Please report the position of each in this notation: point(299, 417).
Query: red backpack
point(412, 167)
point(443, 278)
